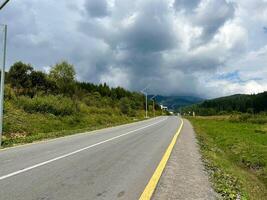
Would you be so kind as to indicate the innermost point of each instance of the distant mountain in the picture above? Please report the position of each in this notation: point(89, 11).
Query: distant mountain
point(176, 102)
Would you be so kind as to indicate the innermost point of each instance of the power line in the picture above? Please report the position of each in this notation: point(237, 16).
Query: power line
point(3, 4)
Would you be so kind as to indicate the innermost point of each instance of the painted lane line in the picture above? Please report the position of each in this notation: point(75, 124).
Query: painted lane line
point(151, 186)
point(75, 152)
point(73, 135)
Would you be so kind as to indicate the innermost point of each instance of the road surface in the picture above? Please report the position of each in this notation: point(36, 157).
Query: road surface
point(113, 163)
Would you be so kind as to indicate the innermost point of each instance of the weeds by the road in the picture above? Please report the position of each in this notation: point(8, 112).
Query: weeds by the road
point(22, 127)
point(234, 150)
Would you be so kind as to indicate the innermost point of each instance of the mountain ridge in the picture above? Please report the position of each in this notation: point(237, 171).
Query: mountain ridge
point(176, 102)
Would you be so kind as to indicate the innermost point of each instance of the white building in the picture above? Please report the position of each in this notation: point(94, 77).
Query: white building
point(163, 107)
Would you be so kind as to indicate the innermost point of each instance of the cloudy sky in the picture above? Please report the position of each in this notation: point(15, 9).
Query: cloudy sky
point(206, 48)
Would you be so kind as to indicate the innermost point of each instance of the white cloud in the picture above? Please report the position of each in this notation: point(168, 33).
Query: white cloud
point(115, 77)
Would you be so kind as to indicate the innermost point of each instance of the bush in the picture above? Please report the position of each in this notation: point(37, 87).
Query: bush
point(223, 113)
point(125, 106)
point(248, 118)
point(9, 93)
point(56, 105)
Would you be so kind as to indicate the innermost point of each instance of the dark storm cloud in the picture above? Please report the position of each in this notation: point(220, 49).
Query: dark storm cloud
point(185, 4)
point(149, 33)
point(97, 8)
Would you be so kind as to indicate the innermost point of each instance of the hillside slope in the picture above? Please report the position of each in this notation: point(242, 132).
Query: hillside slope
point(254, 103)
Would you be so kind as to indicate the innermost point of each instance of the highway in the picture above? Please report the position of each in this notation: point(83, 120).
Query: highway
point(112, 163)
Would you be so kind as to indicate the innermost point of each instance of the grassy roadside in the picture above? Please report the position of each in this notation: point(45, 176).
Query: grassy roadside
point(234, 151)
point(20, 139)
point(22, 127)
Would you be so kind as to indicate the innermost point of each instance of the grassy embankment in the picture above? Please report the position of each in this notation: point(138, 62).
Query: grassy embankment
point(31, 119)
point(41, 105)
point(234, 150)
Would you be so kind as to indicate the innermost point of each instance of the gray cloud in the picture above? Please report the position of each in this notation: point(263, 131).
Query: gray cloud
point(212, 14)
point(149, 33)
point(185, 4)
point(97, 8)
point(177, 47)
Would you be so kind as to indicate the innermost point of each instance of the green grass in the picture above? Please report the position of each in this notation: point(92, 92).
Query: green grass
point(234, 150)
point(22, 127)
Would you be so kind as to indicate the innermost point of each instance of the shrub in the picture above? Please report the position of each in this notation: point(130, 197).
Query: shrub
point(56, 105)
point(93, 99)
point(125, 106)
point(223, 113)
point(9, 93)
point(248, 118)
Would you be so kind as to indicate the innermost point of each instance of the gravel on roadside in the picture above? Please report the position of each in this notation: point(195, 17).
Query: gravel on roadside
point(184, 177)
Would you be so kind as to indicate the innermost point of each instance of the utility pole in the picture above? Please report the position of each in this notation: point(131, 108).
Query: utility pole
point(2, 86)
point(154, 108)
point(152, 98)
point(146, 105)
point(145, 93)
point(2, 83)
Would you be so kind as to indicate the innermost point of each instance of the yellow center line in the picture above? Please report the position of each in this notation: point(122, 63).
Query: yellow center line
point(151, 186)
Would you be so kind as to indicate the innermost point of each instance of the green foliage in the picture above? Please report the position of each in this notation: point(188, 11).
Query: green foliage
point(56, 105)
point(19, 75)
point(63, 74)
point(249, 118)
point(125, 106)
point(25, 81)
point(9, 93)
point(24, 127)
point(40, 82)
point(235, 154)
point(252, 104)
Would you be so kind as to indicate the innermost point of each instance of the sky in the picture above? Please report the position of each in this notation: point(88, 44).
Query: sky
point(205, 48)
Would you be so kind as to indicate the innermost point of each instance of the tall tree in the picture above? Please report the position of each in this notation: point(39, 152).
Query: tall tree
point(19, 75)
point(64, 75)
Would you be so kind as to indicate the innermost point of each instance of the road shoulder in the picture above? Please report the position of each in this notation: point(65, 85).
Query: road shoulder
point(184, 176)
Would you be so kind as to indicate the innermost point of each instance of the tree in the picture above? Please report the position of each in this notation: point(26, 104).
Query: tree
point(40, 82)
point(19, 75)
point(125, 106)
point(64, 75)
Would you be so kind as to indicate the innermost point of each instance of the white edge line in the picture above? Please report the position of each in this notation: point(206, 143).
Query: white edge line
point(96, 131)
point(74, 152)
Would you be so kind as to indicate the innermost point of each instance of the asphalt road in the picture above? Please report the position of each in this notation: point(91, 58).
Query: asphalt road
point(114, 163)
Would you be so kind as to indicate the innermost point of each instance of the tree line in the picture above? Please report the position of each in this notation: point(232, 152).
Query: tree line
point(24, 80)
point(253, 104)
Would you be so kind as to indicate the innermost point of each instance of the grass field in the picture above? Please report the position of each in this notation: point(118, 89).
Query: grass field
point(234, 150)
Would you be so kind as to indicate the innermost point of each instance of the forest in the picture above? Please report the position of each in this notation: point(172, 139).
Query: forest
point(239, 103)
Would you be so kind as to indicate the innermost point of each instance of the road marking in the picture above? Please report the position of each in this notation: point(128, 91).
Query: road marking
point(74, 152)
point(71, 135)
point(151, 186)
